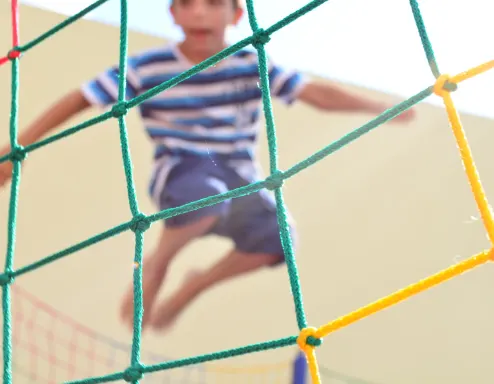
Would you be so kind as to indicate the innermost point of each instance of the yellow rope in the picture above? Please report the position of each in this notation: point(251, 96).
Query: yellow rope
point(443, 86)
point(465, 153)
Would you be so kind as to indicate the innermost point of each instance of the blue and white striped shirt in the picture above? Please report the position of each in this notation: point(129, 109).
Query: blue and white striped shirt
point(216, 111)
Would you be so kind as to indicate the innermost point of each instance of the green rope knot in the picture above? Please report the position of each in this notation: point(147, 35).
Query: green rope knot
point(274, 181)
point(450, 86)
point(140, 223)
point(260, 38)
point(119, 109)
point(314, 341)
point(6, 278)
point(18, 154)
point(133, 374)
point(14, 53)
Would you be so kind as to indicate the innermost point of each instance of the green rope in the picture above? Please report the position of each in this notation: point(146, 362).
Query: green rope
point(61, 135)
point(262, 38)
point(141, 369)
point(424, 38)
point(139, 222)
point(6, 280)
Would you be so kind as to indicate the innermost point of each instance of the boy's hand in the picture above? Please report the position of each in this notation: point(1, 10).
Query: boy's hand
point(5, 167)
point(329, 97)
point(405, 116)
point(5, 173)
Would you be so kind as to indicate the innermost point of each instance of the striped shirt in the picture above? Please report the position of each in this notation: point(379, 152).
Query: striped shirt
point(216, 111)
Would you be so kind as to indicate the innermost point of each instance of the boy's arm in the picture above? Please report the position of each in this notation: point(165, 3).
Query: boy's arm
point(101, 91)
point(329, 97)
point(66, 107)
point(289, 85)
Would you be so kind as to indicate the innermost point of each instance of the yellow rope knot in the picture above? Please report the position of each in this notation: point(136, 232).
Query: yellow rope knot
point(444, 85)
point(307, 339)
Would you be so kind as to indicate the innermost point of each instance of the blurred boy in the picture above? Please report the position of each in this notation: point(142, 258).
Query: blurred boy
point(205, 131)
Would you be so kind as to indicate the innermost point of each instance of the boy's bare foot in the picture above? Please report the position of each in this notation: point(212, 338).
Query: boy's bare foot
point(151, 283)
point(167, 312)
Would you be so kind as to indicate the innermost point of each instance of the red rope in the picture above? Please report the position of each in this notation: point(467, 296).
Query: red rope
point(15, 23)
point(15, 32)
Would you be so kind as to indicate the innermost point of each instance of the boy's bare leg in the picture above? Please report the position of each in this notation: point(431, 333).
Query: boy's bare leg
point(235, 263)
point(156, 264)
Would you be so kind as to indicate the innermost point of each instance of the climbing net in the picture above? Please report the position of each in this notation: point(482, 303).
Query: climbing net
point(51, 347)
point(308, 337)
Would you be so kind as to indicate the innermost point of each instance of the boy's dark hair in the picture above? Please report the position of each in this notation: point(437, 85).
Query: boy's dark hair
point(236, 3)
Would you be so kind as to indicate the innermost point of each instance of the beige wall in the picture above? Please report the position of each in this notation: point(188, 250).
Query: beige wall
point(382, 213)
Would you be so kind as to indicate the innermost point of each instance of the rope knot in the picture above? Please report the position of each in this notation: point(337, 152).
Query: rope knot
point(6, 278)
point(274, 181)
point(119, 109)
point(260, 38)
point(13, 54)
point(443, 85)
point(140, 223)
point(18, 154)
point(133, 374)
point(307, 339)
point(313, 341)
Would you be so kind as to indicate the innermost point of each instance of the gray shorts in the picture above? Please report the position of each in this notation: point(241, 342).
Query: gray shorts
point(249, 221)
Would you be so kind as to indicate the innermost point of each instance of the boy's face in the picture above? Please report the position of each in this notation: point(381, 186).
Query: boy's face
point(204, 22)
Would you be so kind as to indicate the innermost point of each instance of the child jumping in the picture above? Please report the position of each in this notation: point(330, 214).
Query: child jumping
point(205, 131)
